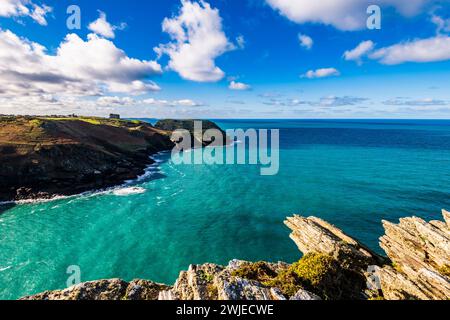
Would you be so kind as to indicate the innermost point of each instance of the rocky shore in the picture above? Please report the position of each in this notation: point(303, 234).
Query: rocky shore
point(334, 267)
point(43, 157)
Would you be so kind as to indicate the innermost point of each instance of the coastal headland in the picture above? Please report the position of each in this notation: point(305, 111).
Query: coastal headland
point(44, 157)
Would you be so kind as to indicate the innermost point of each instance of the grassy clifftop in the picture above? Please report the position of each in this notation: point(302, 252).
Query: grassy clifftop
point(44, 156)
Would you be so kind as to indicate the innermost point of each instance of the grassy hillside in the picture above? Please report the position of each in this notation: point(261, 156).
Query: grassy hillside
point(43, 156)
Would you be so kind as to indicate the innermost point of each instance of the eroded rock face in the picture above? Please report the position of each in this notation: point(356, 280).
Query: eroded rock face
point(114, 289)
point(419, 252)
point(305, 295)
point(213, 282)
point(46, 157)
point(314, 235)
point(198, 137)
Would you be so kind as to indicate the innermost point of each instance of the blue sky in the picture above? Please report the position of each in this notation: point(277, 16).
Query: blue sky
point(226, 59)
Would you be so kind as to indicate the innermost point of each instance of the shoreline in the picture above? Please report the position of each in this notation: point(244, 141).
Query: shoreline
point(93, 193)
point(47, 158)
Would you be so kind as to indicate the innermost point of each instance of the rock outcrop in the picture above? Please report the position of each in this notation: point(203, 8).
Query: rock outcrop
point(213, 282)
point(316, 235)
point(43, 157)
point(114, 289)
point(335, 266)
point(198, 137)
point(420, 255)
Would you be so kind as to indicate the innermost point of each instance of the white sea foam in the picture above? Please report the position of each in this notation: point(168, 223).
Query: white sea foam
point(5, 268)
point(150, 170)
point(128, 191)
point(31, 201)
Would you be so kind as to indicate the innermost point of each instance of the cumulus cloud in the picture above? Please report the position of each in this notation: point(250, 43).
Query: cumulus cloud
point(342, 14)
point(305, 41)
point(25, 8)
point(115, 101)
point(102, 27)
point(363, 49)
point(80, 67)
point(239, 86)
point(420, 50)
point(197, 40)
point(321, 73)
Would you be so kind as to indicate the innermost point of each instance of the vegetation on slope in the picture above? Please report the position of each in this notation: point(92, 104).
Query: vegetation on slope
point(45, 156)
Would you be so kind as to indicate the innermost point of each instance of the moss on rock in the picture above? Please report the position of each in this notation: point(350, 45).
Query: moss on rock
point(445, 270)
point(258, 271)
point(318, 273)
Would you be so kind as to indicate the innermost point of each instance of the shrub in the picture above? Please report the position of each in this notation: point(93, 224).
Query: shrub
point(318, 273)
point(287, 281)
point(258, 271)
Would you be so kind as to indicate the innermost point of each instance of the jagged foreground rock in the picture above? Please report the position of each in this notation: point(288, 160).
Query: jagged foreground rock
point(420, 253)
point(335, 266)
point(316, 235)
point(114, 289)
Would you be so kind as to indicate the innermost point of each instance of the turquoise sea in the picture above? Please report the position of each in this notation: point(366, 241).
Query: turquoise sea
point(353, 173)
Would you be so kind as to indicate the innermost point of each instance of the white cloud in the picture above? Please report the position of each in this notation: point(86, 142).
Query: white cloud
point(39, 12)
point(197, 40)
point(442, 25)
point(79, 68)
point(25, 8)
point(321, 73)
point(238, 86)
point(342, 14)
point(115, 101)
point(416, 102)
point(334, 101)
point(421, 50)
point(102, 27)
point(323, 102)
point(305, 41)
point(359, 52)
point(170, 103)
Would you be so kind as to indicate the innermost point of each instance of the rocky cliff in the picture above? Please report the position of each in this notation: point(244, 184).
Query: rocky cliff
point(46, 156)
point(334, 266)
point(198, 137)
point(420, 255)
point(42, 157)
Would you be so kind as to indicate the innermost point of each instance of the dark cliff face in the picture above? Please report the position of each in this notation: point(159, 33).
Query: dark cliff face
point(43, 157)
point(172, 125)
point(196, 137)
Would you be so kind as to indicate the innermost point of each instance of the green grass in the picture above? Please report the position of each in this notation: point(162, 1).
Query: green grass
point(35, 122)
point(94, 120)
point(258, 271)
